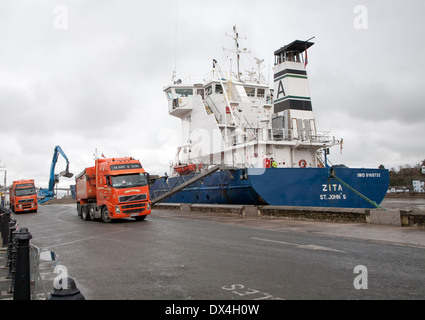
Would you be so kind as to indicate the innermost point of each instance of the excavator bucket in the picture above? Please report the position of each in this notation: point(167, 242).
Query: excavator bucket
point(66, 174)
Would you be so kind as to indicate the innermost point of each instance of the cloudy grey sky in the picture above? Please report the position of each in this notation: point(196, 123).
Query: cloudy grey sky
point(90, 74)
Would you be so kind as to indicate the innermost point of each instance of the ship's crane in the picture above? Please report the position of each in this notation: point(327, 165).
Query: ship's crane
point(47, 194)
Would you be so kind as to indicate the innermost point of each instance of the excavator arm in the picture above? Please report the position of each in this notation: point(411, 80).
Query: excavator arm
point(47, 194)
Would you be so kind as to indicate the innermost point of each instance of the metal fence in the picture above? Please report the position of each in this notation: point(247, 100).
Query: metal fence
point(38, 287)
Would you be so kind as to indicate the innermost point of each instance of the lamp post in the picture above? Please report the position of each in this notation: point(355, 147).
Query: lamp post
point(3, 167)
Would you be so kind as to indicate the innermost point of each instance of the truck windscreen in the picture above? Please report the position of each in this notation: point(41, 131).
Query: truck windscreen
point(129, 180)
point(24, 192)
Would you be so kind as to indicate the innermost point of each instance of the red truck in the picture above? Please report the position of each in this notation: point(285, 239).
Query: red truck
point(114, 188)
point(23, 196)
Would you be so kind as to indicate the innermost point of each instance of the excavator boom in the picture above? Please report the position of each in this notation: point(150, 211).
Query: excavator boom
point(47, 194)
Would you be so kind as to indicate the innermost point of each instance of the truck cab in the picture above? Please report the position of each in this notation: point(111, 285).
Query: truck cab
point(23, 196)
point(114, 188)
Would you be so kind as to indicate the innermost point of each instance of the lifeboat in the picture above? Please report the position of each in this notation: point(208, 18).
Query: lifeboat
point(185, 169)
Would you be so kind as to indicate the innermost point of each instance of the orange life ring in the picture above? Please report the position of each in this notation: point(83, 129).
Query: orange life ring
point(302, 163)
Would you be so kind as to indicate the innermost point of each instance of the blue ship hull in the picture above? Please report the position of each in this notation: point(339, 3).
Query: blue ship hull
point(309, 187)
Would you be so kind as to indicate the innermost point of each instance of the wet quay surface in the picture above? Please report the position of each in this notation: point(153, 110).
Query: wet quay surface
point(182, 255)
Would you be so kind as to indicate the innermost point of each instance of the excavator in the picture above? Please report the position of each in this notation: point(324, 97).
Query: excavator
point(48, 194)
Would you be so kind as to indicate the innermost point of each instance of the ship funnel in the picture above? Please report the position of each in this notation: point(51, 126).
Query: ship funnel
point(291, 88)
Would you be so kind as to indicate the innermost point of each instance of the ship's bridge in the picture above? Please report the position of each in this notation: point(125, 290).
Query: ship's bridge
point(179, 99)
point(218, 96)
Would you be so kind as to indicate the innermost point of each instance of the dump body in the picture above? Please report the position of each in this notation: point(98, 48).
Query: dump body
point(84, 190)
point(112, 189)
point(23, 196)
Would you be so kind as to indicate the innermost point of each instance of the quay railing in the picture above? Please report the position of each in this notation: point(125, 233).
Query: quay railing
point(23, 265)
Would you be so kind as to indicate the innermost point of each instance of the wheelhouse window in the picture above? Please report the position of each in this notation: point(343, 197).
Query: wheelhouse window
point(261, 92)
point(208, 90)
point(218, 88)
point(250, 92)
point(184, 92)
point(170, 95)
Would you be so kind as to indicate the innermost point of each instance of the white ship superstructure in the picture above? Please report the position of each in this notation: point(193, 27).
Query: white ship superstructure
point(240, 122)
point(259, 146)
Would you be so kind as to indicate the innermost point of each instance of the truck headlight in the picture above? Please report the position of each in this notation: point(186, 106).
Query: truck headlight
point(148, 206)
point(117, 209)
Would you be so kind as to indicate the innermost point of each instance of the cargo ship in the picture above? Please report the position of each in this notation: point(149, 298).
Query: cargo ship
point(245, 143)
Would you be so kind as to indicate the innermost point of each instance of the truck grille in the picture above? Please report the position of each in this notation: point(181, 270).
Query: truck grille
point(25, 200)
point(129, 206)
point(136, 197)
point(130, 211)
point(133, 208)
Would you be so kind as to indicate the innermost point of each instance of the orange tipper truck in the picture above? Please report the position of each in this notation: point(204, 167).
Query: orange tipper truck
point(23, 196)
point(114, 188)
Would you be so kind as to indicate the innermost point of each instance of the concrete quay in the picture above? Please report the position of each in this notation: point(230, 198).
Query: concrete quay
point(395, 212)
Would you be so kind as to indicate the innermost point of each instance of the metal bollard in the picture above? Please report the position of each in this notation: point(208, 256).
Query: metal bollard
point(1, 223)
point(5, 226)
point(70, 293)
point(2, 228)
point(11, 254)
point(22, 289)
point(11, 247)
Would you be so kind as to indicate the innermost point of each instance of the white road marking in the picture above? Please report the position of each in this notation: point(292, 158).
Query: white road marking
point(241, 290)
point(85, 239)
point(302, 246)
point(57, 235)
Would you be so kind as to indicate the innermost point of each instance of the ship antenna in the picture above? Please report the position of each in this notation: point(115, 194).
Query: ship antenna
point(173, 79)
point(259, 63)
point(237, 50)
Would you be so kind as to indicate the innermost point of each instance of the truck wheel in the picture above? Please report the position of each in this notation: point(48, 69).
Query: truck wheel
point(84, 212)
point(105, 215)
point(79, 209)
point(91, 212)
